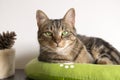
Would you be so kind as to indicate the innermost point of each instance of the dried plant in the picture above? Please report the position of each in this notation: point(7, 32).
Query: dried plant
point(7, 40)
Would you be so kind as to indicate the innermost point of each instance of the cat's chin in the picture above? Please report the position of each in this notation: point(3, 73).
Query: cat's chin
point(60, 51)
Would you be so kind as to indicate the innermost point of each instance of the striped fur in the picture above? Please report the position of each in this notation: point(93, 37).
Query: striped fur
point(59, 42)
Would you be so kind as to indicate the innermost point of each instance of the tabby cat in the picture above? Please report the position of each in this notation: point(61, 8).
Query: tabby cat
point(59, 42)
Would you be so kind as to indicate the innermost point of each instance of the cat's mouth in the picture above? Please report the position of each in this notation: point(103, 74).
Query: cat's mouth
point(58, 45)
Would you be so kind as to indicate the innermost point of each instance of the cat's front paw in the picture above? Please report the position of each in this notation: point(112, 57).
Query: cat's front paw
point(104, 61)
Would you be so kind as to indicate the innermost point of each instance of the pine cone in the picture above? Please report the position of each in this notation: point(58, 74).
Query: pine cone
point(7, 40)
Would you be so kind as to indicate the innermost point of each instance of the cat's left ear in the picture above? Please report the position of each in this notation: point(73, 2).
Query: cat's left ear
point(41, 17)
point(70, 17)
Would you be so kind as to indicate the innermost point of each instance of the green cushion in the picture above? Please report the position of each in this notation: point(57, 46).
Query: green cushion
point(57, 71)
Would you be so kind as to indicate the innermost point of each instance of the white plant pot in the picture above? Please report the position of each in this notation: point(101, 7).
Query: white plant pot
point(7, 63)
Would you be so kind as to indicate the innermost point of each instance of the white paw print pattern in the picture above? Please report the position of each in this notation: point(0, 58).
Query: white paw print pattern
point(67, 65)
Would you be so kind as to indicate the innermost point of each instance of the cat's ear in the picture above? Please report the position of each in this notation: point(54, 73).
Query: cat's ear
point(41, 17)
point(70, 17)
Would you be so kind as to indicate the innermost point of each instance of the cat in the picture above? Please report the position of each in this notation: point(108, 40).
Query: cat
point(59, 42)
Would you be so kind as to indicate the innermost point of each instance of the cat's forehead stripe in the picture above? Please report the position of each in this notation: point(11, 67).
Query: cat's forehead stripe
point(57, 23)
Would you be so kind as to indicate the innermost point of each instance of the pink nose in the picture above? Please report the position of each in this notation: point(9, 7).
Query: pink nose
point(58, 41)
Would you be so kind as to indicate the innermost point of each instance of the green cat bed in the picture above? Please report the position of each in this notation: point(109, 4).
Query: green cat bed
point(56, 71)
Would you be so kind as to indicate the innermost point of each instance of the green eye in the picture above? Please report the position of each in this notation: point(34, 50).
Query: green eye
point(65, 33)
point(48, 33)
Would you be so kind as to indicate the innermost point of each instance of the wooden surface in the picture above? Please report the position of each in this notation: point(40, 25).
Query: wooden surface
point(19, 75)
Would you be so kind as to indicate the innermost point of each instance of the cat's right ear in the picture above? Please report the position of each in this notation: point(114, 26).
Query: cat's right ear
point(70, 17)
point(41, 17)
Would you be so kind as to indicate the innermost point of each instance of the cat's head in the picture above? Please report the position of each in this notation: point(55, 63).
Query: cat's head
point(56, 34)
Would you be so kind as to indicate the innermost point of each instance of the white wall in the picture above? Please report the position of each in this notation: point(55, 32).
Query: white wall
point(99, 18)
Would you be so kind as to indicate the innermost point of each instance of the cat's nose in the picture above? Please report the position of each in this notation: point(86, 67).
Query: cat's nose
point(58, 41)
